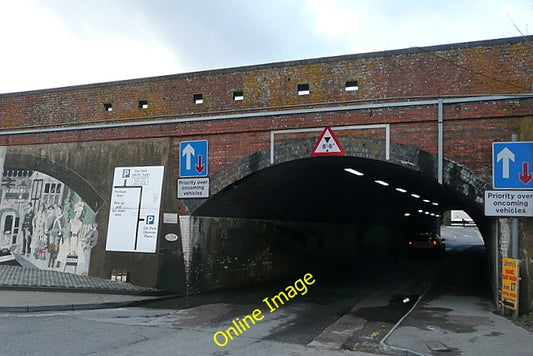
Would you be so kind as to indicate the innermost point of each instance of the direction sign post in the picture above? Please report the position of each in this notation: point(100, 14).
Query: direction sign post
point(194, 160)
point(512, 164)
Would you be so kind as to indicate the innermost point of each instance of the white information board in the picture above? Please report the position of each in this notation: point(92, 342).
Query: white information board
point(509, 203)
point(134, 211)
point(193, 188)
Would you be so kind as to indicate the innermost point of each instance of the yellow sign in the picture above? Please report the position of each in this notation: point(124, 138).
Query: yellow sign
point(510, 283)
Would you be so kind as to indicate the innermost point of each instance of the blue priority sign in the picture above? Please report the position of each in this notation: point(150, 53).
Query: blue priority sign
point(512, 165)
point(194, 158)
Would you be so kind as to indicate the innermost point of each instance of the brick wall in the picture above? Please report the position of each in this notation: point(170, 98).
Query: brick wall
point(487, 67)
point(469, 131)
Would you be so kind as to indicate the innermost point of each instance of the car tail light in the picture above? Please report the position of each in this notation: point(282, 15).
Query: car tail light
point(410, 242)
point(435, 242)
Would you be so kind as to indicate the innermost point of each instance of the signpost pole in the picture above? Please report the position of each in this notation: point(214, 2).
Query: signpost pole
point(514, 240)
point(440, 151)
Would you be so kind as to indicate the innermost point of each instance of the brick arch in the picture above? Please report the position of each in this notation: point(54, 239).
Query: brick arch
point(59, 172)
point(455, 175)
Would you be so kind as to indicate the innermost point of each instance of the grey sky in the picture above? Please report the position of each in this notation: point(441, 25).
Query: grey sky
point(51, 43)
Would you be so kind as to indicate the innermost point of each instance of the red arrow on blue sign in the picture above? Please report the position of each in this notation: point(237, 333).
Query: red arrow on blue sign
point(200, 167)
point(525, 176)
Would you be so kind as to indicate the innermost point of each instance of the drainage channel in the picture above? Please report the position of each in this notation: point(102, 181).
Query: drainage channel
point(370, 320)
point(379, 320)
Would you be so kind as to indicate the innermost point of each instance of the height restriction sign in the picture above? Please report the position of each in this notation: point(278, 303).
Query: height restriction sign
point(327, 144)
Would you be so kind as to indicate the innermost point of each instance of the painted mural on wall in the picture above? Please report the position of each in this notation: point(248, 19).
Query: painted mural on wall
point(44, 223)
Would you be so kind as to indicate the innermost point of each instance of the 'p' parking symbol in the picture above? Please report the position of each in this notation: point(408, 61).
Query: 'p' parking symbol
point(150, 219)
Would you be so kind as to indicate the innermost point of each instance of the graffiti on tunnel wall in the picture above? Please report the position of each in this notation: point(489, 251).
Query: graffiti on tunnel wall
point(44, 223)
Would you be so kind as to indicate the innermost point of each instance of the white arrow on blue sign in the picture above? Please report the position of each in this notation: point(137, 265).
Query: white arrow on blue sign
point(512, 165)
point(194, 159)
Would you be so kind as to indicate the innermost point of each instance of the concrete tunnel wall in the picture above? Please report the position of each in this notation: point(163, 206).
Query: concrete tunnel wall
point(230, 252)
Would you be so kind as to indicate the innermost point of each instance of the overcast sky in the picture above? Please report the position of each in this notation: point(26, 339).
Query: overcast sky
point(53, 43)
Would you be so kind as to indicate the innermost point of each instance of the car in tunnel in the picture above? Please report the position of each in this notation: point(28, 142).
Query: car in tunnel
point(426, 243)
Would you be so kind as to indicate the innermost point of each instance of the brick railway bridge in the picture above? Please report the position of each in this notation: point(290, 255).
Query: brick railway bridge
point(421, 120)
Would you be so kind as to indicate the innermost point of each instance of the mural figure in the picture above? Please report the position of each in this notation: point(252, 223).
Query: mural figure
point(39, 242)
point(90, 239)
point(45, 224)
point(56, 236)
point(27, 230)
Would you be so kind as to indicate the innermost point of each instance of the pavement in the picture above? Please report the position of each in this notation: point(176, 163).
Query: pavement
point(32, 290)
point(456, 325)
point(437, 323)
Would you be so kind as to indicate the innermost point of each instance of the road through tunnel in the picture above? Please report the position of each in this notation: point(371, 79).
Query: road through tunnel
point(325, 215)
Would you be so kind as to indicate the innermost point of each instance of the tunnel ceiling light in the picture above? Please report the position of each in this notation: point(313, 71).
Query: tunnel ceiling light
point(407, 214)
point(415, 195)
point(426, 201)
point(401, 190)
point(353, 171)
point(436, 204)
point(420, 211)
point(383, 183)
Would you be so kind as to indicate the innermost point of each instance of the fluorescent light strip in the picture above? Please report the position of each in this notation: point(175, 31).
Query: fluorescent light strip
point(385, 184)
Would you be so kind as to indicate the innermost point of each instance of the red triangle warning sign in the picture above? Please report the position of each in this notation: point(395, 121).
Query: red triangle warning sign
point(327, 144)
